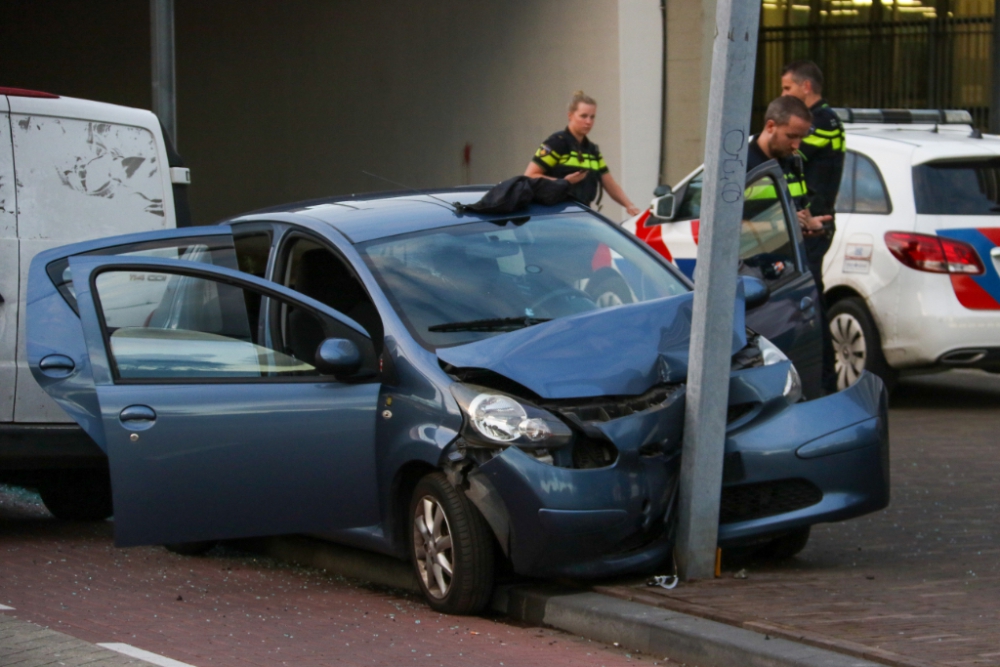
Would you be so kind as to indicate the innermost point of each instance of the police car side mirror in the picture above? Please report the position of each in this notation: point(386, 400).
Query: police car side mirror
point(664, 207)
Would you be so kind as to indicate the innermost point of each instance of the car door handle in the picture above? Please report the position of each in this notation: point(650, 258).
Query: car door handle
point(137, 413)
point(56, 365)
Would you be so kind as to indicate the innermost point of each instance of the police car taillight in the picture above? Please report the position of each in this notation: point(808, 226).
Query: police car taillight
point(934, 254)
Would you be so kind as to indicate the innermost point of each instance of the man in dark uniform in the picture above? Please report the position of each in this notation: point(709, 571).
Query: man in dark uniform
point(786, 123)
point(822, 153)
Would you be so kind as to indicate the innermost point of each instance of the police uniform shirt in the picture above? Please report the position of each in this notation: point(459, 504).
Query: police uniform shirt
point(823, 158)
point(790, 166)
point(561, 155)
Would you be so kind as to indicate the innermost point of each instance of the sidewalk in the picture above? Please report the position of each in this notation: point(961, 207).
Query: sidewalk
point(24, 644)
point(915, 584)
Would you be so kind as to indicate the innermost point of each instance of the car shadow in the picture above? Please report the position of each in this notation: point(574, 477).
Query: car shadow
point(960, 389)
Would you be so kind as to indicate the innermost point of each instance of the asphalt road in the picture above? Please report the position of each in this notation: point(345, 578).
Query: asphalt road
point(919, 579)
point(231, 608)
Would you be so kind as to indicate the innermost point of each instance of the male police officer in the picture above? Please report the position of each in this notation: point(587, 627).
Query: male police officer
point(822, 153)
point(786, 123)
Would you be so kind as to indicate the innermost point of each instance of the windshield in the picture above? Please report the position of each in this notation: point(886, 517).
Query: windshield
point(970, 187)
point(460, 284)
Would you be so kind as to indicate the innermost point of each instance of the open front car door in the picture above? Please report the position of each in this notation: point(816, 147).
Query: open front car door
point(217, 421)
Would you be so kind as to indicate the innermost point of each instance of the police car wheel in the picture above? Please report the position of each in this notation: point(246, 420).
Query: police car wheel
point(608, 289)
point(856, 343)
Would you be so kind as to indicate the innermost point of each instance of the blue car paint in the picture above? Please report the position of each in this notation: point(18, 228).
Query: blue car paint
point(592, 354)
point(53, 327)
point(200, 431)
point(557, 518)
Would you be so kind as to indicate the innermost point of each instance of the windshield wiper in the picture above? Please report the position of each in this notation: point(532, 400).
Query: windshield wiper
point(492, 324)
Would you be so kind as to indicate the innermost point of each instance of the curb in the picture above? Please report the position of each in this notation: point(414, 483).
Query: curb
point(640, 627)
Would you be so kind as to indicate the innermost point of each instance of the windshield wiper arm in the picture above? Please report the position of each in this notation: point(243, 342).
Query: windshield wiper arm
point(492, 324)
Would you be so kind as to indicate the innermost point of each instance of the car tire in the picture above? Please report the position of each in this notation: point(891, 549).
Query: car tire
point(79, 495)
point(786, 546)
point(857, 344)
point(607, 289)
point(447, 531)
point(190, 548)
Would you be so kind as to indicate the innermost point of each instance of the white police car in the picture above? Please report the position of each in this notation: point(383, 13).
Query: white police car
point(911, 277)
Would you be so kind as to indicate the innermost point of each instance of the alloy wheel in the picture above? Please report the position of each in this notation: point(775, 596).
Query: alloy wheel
point(849, 348)
point(433, 547)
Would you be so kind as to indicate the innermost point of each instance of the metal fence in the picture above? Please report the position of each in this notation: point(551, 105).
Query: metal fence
point(938, 64)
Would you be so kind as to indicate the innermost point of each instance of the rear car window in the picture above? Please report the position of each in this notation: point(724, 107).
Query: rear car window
point(217, 252)
point(966, 187)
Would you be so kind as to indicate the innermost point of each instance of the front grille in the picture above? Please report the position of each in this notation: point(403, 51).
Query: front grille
point(607, 408)
point(754, 501)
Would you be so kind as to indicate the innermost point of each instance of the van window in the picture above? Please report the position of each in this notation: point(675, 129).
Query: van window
point(84, 179)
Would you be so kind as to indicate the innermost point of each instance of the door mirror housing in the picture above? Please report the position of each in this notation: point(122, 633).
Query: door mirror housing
point(755, 292)
point(664, 207)
point(337, 357)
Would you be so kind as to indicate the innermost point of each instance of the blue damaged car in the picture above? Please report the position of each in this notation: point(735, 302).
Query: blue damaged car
point(396, 373)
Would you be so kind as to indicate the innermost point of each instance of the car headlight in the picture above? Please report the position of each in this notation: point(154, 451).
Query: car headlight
point(772, 355)
point(497, 419)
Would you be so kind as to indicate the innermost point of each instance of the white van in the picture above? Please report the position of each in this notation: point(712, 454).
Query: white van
point(70, 170)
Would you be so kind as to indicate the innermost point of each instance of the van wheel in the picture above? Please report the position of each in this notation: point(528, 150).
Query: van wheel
point(451, 547)
point(786, 546)
point(190, 548)
point(857, 345)
point(608, 289)
point(78, 495)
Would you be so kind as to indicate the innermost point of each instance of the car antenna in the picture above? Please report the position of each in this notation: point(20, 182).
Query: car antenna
point(455, 206)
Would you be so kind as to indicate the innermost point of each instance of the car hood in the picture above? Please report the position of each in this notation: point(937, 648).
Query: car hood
point(621, 351)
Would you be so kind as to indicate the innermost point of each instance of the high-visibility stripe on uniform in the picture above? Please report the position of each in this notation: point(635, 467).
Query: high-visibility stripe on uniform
point(796, 188)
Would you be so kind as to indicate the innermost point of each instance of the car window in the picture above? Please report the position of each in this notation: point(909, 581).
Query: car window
point(215, 251)
point(767, 247)
point(690, 207)
point(313, 269)
point(463, 283)
point(870, 195)
point(966, 187)
point(169, 326)
point(845, 197)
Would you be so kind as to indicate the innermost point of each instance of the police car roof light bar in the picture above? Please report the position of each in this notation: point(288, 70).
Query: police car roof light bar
point(905, 116)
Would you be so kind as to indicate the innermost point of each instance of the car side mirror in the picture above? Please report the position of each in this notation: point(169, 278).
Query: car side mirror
point(664, 207)
point(755, 292)
point(337, 356)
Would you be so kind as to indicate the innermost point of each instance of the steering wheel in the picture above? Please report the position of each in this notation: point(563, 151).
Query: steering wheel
point(561, 292)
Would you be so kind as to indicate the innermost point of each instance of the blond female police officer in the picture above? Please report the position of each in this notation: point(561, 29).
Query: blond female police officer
point(569, 154)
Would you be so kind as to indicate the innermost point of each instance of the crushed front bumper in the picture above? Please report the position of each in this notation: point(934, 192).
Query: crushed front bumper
point(555, 521)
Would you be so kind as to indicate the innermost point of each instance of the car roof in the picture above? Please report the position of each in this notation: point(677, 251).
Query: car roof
point(928, 142)
point(365, 217)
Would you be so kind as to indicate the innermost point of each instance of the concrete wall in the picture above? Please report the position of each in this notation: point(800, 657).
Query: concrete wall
point(292, 100)
point(690, 32)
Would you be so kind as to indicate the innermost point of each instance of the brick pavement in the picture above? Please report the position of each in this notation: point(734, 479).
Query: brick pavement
point(915, 584)
point(24, 644)
point(234, 609)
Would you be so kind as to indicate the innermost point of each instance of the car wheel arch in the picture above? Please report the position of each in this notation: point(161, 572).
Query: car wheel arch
point(403, 484)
